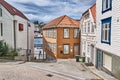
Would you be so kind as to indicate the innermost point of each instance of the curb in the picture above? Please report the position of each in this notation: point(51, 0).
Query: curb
point(101, 78)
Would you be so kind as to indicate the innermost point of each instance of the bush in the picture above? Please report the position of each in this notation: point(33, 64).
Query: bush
point(12, 53)
point(3, 48)
point(5, 51)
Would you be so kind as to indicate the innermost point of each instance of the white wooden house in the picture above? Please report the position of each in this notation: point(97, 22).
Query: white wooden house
point(88, 34)
point(15, 29)
point(108, 36)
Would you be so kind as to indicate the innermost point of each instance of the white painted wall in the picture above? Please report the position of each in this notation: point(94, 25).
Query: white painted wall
point(88, 39)
point(21, 36)
point(114, 48)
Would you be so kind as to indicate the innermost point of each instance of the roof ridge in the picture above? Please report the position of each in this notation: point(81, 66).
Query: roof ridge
point(61, 20)
point(12, 10)
point(88, 9)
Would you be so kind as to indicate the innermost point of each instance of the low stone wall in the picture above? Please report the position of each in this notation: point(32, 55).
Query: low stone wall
point(24, 58)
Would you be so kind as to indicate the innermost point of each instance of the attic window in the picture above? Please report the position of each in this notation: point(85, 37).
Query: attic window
point(20, 27)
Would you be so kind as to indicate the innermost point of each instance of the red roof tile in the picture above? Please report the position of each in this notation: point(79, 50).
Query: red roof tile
point(12, 10)
point(62, 21)
point(93, 11)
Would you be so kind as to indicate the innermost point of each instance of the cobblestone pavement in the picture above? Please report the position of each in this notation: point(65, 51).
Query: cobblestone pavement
point(22, 72)
point(67, 68)
point(61, 70)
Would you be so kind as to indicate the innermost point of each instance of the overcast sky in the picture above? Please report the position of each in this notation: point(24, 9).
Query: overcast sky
point(46, 10)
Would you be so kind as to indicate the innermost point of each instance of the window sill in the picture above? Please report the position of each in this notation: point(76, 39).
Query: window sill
point(106, 42)
point(103, 11)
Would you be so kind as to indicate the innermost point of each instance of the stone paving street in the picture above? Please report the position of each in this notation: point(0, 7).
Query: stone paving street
point(63, 69)
point(22, 72)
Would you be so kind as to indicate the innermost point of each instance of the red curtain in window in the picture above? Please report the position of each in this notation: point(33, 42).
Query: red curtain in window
point(20, 27)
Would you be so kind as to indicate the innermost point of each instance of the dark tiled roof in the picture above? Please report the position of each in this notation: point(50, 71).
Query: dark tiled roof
point(12, 10)
point(61, 22)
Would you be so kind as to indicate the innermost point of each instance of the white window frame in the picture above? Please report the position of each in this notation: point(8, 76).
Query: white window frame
point(104, 5)
point(76, 33)
point(66, 49)
point(106, 27)
point(107, 61)
point(66, 33)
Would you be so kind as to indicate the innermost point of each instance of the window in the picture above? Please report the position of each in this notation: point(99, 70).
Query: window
point(88, 27)
point(87, 16)
point(88, 47)
point(54, 47)
point(0, 12)
point(66, 49)
point(76, 49)
point(84, 45)
point(66, 33)
point(106, 5)
point(20, 27)
point(76, 33)
point(107, 61)
point(54, 33)
point(92, 28)
point(1, 29)
point(106, 30)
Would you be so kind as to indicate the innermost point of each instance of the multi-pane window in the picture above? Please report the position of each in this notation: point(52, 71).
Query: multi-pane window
point(106, 30)
point(106, 4)
point(76, 33)
point(66, 49)
point(66, 33)
point(1, 29)
point(92, 28)
point(51, 33)
point(88, 27)
point(84, 45)
point(54, 33)
point(54, 47)
point(0, 12)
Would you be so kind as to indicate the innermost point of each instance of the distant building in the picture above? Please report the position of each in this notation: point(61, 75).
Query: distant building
point(15, 29)
point(61, 38)
point(38, 48)
point(108, 36)
point(88, 34)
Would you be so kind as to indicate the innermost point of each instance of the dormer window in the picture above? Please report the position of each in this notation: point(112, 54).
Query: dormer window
point(106, 5)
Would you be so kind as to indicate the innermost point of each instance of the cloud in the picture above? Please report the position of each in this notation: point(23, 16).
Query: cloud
point(46, 10)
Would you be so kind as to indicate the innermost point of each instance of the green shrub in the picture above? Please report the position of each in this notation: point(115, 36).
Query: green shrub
point(3, 48)
point(12, 53)
point(5, 51)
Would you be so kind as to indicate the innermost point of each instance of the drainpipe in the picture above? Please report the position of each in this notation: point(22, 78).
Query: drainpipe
point(27, 42)
point(28, 50)
point(14, 29)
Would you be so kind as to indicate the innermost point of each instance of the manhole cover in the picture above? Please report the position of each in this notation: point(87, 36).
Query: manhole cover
point(49, 75)
point(51, 65)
